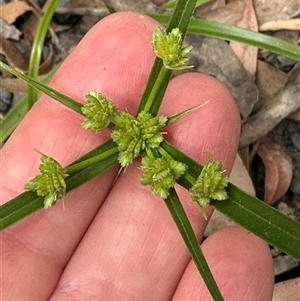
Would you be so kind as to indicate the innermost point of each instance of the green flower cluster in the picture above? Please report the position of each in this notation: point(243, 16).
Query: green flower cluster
point(161, 174)
point(50, 184)
point(134, 134)
point(138, 135)
point(168, 47)
point(210, 184)
point(99, 111)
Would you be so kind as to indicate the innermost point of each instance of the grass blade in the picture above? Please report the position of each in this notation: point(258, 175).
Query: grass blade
point(261, 219)
point(18, 112)
point(28, 202)
point(233, 33)
point(65, 100)
point(180, 18)
point(190, 239)
point(36, 50)
point(172, 3)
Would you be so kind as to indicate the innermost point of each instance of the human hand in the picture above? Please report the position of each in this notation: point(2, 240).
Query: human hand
point(118, 241)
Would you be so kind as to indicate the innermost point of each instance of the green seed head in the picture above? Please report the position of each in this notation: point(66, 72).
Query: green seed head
point(133, 135)
point(50, 184)
point(99, 111)
point(211, 184)
point(168, 47)
point(161, 174)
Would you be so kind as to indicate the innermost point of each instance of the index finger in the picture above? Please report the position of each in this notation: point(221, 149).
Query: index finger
point(114, 58)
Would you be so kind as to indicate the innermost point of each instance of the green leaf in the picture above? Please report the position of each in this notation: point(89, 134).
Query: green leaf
point(18, 112)
point(233, 33)
point(37, 48)
point(29, 202)
point(172, 3)
point(62, 98)
point(191, 241)
point(261, 219)
point(160, 76)
point(182, 114)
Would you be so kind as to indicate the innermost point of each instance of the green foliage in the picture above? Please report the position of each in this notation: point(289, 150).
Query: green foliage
point(232, 33)
point(133, 135)
point(37, 49)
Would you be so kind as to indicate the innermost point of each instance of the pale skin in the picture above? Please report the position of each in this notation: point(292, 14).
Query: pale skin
point(118, 242)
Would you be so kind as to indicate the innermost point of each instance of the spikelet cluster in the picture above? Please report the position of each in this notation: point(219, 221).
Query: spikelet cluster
point(50, 183)
point(211, 184)
point(99, 111)
point(168, 47)
point(134, 134)
point(161, 174)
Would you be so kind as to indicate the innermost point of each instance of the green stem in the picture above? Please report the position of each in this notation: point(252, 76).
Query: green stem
point(36, 51)
point(160, 78)
point(83, 164)
point(165, 154)
point(150, 153)
point(182, 222)
point(60, 97)
point(232, 33)
point(18, 112)
point(187, 175)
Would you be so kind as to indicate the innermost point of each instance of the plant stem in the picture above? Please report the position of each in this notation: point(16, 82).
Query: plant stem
point(182, 222)
point(36, 51)
point(80, 165)
point(60, 97)
point(187, 175)
point(162, 74)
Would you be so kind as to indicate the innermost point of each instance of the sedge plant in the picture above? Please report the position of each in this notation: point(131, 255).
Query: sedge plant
point(163, 165)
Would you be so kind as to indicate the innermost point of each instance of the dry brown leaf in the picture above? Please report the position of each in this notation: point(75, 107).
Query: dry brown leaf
point(12, 10)
point(276, 10)
point(29, 28)
point(141, 6)
point(240, 177)
point(287, 290)
point(295, 115)
point(293, 24)
point(14, 85)
point(244, 154)
point(209, 7)
point(13, 55)
point(278, 170)
point(47, 64)
point(269, 81)
point(216, 58)
point(286, 102)
point(247, 54)
point(230, 14)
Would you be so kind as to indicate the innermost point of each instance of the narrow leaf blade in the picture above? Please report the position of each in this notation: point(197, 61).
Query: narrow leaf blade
point(253, 214)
